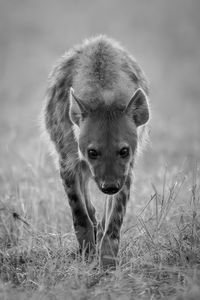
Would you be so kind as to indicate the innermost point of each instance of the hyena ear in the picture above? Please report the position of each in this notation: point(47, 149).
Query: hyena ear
point(138, 107)
point(77, 110)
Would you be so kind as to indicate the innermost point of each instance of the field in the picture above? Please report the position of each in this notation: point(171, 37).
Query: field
point(160, 248)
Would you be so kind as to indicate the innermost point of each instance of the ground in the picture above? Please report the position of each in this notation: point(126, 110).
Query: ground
point(159, 255)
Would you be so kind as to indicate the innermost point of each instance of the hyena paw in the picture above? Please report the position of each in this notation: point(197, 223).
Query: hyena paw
point(108, 252)
point(86, 239)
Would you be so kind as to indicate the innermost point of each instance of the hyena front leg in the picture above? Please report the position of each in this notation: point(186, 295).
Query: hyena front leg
point(89, 206)
point(116, 208)
point(83, 225)
point(102, 223)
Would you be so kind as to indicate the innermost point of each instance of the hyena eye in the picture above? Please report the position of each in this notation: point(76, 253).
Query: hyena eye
point(93, 154)
point(124, 152)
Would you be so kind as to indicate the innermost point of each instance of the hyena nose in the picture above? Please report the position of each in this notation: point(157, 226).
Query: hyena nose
point(110, 188)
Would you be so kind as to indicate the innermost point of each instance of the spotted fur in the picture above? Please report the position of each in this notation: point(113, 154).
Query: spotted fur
point(98, 110)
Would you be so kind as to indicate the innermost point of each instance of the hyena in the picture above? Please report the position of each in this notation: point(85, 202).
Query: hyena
point(95, 111)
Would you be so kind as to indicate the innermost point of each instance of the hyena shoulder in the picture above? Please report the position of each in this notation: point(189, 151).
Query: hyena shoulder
point(54, 120)
point(104, 65)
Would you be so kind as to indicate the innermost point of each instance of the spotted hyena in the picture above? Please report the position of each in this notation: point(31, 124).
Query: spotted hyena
point(95, 112)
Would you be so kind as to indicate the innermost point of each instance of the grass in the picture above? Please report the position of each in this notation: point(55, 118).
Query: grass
point(159, 255)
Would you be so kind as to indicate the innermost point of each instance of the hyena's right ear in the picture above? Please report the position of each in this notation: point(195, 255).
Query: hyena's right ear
point(77, 110)
point(138, 108)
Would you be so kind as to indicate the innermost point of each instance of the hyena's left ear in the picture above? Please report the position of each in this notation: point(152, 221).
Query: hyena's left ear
point(138, 107)
point(77, 110)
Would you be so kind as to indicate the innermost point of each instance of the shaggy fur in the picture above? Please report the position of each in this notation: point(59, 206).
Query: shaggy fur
point(104, 78)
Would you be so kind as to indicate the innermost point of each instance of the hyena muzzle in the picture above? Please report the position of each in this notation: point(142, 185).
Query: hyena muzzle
point(95, 111)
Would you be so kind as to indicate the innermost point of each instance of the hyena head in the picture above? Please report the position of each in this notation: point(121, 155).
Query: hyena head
point(107, 137)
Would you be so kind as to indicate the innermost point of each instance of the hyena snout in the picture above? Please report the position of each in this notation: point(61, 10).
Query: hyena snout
point(110, 187)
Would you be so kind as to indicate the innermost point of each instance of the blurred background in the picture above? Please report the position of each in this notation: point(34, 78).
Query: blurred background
point(164, 36)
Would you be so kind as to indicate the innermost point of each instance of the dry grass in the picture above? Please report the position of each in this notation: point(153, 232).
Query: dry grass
point(159, 254)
